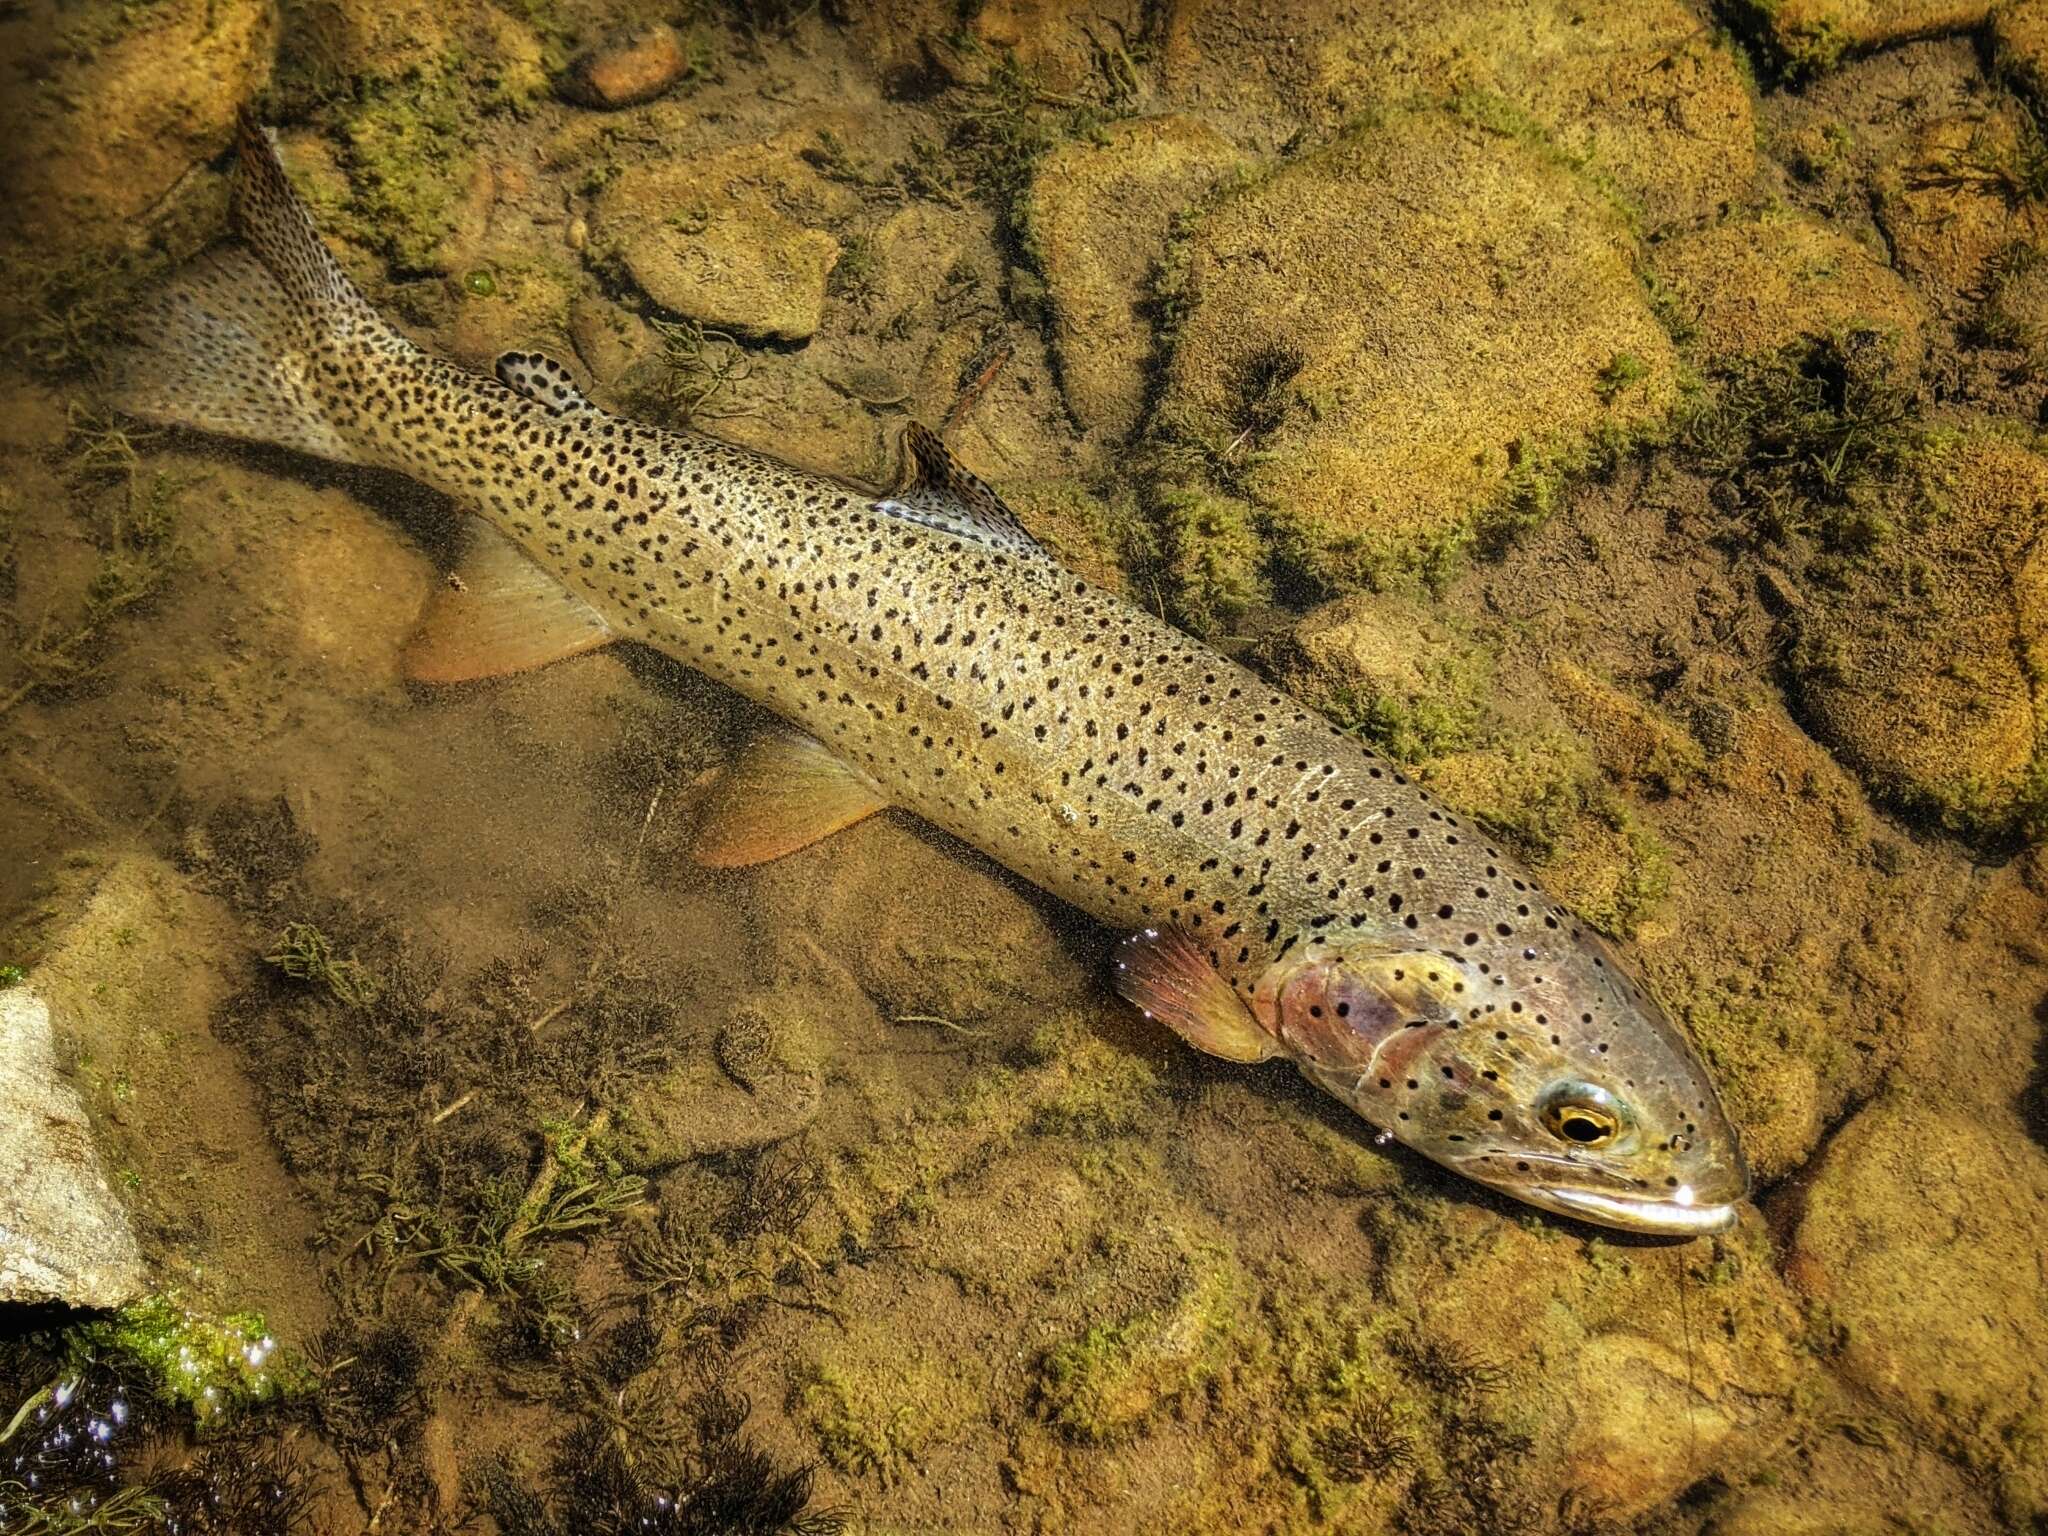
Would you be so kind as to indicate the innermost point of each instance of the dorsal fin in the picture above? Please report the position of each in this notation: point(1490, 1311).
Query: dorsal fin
point(941, 492)
point(542, 380)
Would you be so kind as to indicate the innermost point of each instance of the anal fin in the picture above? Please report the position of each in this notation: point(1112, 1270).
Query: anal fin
point(1166, 972)
point(782, 793)
point(499, 613)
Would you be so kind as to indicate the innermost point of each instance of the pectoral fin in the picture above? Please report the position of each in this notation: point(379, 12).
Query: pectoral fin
point(498, 613)
point(784, 792)
point(1167, 973)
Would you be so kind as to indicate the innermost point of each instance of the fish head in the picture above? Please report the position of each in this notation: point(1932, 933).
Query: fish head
point(1552, 1077)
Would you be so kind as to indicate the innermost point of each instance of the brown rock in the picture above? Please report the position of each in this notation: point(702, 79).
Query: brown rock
point(1098, 213)
point(627, 68)
point(730, 239)
point(1920, 1243)
point(131, 98)
point(1918, 664)
point(1650, 103)
point(1813, 35)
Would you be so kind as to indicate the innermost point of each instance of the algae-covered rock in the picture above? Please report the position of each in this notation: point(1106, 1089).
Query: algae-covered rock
point(1809, 36)
point(1746, 288)
point(1920, 1252)
point(1384, 337)
point(1390, 668)
point(1956, 201)
point(1655, 107)
point(2019, 42)
point(1098, 213)
point(1924, 663)
point(63, 1235)
point(731, 240)
point(126, 100)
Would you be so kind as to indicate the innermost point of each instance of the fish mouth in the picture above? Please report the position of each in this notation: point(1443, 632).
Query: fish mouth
point(1678, 1215)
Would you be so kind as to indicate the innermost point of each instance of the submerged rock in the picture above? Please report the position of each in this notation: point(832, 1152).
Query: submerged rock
point(1810, 36)
point(1922, 663)
point(1389, 335)
point(1652, 105)
point(730, 240)
point(129, 100)
point(1920, 1252)
point(1749, 287)
point(1099, 212)
point(64, 1237)
point(627, 68)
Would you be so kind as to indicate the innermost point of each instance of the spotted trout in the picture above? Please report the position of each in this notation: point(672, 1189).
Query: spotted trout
point(1282, 891)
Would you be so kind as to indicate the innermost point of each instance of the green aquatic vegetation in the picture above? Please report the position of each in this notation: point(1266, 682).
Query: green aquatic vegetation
point(1640, 884)
point(304, 953)
point(709, 1477)
point(2013, 165)
point(1212, 562)
point(855, 276)
point(1115, 1378)
point(61, 317)
point(1367, 1444)
point(2000, 324)
point(139, 550)
point(1448, 713)
point(880, 1405)
point(699, 375)
point(11, 976)
point(215, 1367)
point(1621, 371)
point(1096, 1089)
point(407, 151)
point(1806, 443)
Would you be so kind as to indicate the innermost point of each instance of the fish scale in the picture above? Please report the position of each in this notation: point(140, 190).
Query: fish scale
point(1287, 892)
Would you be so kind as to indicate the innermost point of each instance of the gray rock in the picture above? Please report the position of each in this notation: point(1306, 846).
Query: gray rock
point(63, 1235)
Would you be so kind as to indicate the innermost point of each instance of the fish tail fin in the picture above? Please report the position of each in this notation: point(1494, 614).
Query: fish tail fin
point(231, 343)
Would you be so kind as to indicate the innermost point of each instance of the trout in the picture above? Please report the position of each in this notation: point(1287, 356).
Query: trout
point(1283, 892)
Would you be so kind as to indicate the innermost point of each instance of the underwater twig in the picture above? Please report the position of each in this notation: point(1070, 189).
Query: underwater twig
point(443, 1114)
point(978, 386)
point(932, 1018)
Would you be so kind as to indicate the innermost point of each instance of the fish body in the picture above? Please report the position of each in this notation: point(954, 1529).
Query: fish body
point(1285, 891)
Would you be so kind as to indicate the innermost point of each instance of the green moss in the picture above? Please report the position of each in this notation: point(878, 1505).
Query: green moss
point(11, 976)
point(880, 1405)
point(1092, 1089)
point(1213, 558)
point(216, 1367)
point(1639, 886)
point(1442, 717)
point(1808, 443)
point(1622, 370)
point(1117, 1377)
point(407, 153)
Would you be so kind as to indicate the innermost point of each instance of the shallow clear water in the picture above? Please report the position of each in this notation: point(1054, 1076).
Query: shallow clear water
point(497, 1166)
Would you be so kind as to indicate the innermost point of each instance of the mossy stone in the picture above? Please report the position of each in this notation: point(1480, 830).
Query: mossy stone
point(1747, 287)
point(1422, 311)
point(1925, 664)
point(1098, 215)
point(732, 240)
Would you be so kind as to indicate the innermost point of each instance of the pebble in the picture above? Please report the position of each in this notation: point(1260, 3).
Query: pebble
point(627, 68)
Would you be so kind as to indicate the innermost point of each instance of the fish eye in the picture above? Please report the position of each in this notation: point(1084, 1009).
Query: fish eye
point(1581, 1114)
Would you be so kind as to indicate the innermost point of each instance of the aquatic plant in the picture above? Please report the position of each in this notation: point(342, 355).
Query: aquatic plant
point(304, 953)
point(712, 1480)
point(699, 375)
